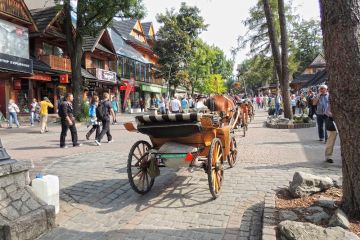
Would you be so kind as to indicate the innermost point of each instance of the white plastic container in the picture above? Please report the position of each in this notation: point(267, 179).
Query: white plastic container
point(47, 189)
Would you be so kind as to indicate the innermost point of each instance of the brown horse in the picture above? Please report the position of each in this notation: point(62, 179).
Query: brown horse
point(225, 106)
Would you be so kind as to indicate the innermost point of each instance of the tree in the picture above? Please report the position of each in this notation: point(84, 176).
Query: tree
point(92, 16)
point(340, 26)
point(176, 40)
point(281, 64)
point(214, 84)
point(306, 41)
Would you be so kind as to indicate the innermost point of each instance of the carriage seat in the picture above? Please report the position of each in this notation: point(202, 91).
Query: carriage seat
point(169, 125)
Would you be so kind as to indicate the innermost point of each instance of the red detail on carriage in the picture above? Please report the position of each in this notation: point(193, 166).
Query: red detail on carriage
point(189, 157)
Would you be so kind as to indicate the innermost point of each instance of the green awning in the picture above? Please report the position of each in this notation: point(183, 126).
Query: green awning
point(151, 88)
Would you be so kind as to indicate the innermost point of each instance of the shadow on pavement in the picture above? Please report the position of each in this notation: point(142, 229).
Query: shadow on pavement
point(36, 148)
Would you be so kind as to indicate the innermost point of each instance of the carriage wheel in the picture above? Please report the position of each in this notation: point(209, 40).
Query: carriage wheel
point(137, 167)
point(232, 157)
point(215, 167)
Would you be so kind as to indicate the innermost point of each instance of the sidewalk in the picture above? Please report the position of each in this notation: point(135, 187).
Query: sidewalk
point(97, 202)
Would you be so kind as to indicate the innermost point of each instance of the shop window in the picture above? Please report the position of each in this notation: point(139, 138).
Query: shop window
point(22, 96)
point(137, 71)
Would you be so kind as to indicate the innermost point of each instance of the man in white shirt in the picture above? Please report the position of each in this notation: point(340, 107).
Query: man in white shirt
point(175, 105)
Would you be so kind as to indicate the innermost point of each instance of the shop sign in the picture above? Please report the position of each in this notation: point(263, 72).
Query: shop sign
point(16, 64)
point(149, 88)
point(17, 84)
point(40, 77)
point(64, 78)
point(104, 75)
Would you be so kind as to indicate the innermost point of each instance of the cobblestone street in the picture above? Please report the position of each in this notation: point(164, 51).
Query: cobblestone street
point(98, 203)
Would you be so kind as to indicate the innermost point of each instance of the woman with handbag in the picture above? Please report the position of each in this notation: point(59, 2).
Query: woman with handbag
point(13, 110)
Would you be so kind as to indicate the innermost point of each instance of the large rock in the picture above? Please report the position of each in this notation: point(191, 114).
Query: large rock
point(326, 202)
point(318, 217)
point(339, 219)
point(290, 230)
point(305, 184)
point(287, 215)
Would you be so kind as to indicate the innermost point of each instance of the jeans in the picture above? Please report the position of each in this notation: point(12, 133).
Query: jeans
point(320, 119)
point(93, 129)
point(277, 109)
point(13, 118)
point(105, 130)
point(64, 128)
point(33, 117)
point(293, 109)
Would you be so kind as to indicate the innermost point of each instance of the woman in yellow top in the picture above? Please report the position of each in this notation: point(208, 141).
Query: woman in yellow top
point(44, 105)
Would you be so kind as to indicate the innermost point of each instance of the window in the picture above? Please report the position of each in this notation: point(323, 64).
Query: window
point(120, 67)
point(52, 50)
point(137, 71)
point(97, 63)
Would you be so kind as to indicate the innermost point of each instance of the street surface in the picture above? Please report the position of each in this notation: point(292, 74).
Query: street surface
point(98, 203)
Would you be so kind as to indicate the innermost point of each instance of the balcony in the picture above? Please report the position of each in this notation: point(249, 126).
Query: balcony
point(57, 63)
point(103, 75)
point(157, 81)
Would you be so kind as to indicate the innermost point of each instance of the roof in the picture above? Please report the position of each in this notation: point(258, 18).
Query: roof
point(302, 78)
point(87, 75)
point(124, 49)
point(90, 43)
point(44, 16)
point(319, 61)
point(124, 28)
point(146, 26)
point(318, 78)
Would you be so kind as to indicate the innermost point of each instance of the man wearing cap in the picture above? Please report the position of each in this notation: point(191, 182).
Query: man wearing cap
point(44, 106)
point(321, 102)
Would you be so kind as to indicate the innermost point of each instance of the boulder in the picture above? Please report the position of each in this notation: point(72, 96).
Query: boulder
point(339, 219)
point(287, 215)
point(326, 202)
point(305, 184)
point(291, 230)
point(318, 217)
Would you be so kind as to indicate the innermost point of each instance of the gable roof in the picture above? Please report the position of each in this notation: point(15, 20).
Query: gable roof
point(91, 43)
point(44, 16)
point(319, 61)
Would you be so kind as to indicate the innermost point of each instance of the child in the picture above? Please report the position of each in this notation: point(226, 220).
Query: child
point(93, 119)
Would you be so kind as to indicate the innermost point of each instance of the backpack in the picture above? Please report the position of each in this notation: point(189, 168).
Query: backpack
point(101, 111)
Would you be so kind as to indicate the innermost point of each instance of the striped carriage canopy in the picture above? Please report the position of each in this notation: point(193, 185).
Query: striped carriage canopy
point(177, 117)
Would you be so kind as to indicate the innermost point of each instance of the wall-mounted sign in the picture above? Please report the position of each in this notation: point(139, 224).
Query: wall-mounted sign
point(104, 75)
point(16, 64)
point(40, 77)
point(14, 39)
point(64, 78)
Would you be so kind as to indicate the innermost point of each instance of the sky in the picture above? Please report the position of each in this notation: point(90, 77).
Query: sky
point(225, 18)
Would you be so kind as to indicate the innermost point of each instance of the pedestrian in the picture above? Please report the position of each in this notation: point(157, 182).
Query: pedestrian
point(311, 105)
point(302, 103)
point(257, 99)
point(185, 105)
point(167, 105)
point(66, 113)
point(13, 111)
point(293, 103)
point(332, 134)
point(104, 111)
point(34, 111)
point(175, 105)
point(94, 121)
point(191, 102)
point(44, 106)
point(266, 102)
point(321, 101)
point(128, 104)
point(142, 104)
point(278, 101)
point(115, 106)
point(162, 105)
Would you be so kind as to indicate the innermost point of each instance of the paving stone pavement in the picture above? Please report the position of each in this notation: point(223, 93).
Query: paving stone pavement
point(97, 202)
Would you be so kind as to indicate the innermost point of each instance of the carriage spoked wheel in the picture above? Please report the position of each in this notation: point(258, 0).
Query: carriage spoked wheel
point(232, 157)
point(215, 166)
point(137, 167)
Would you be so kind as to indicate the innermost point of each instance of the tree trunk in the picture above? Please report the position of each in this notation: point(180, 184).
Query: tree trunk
point(284, 60)
point(74, 43)
point(341, 27)
point(272, 36)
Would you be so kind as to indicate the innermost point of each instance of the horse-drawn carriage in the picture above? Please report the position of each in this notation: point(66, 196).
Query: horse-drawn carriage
point(182, 140)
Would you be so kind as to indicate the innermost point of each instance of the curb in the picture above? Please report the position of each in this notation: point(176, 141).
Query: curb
point(268, 219)
point(291, 126)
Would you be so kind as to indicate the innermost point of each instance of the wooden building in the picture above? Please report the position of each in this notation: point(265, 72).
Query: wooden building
point(16, 24)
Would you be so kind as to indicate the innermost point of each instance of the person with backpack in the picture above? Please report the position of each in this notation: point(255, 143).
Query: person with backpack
point(66, 113)
point(104, 111)
point(94, 122)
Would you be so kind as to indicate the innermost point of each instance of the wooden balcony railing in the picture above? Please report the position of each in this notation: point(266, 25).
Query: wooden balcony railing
point(12, 7)
point(57, 63)
point(157, 81)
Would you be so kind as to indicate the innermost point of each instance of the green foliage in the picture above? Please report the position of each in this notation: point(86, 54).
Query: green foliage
point(214, 84)
point(176, 40)
point(84, 113)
